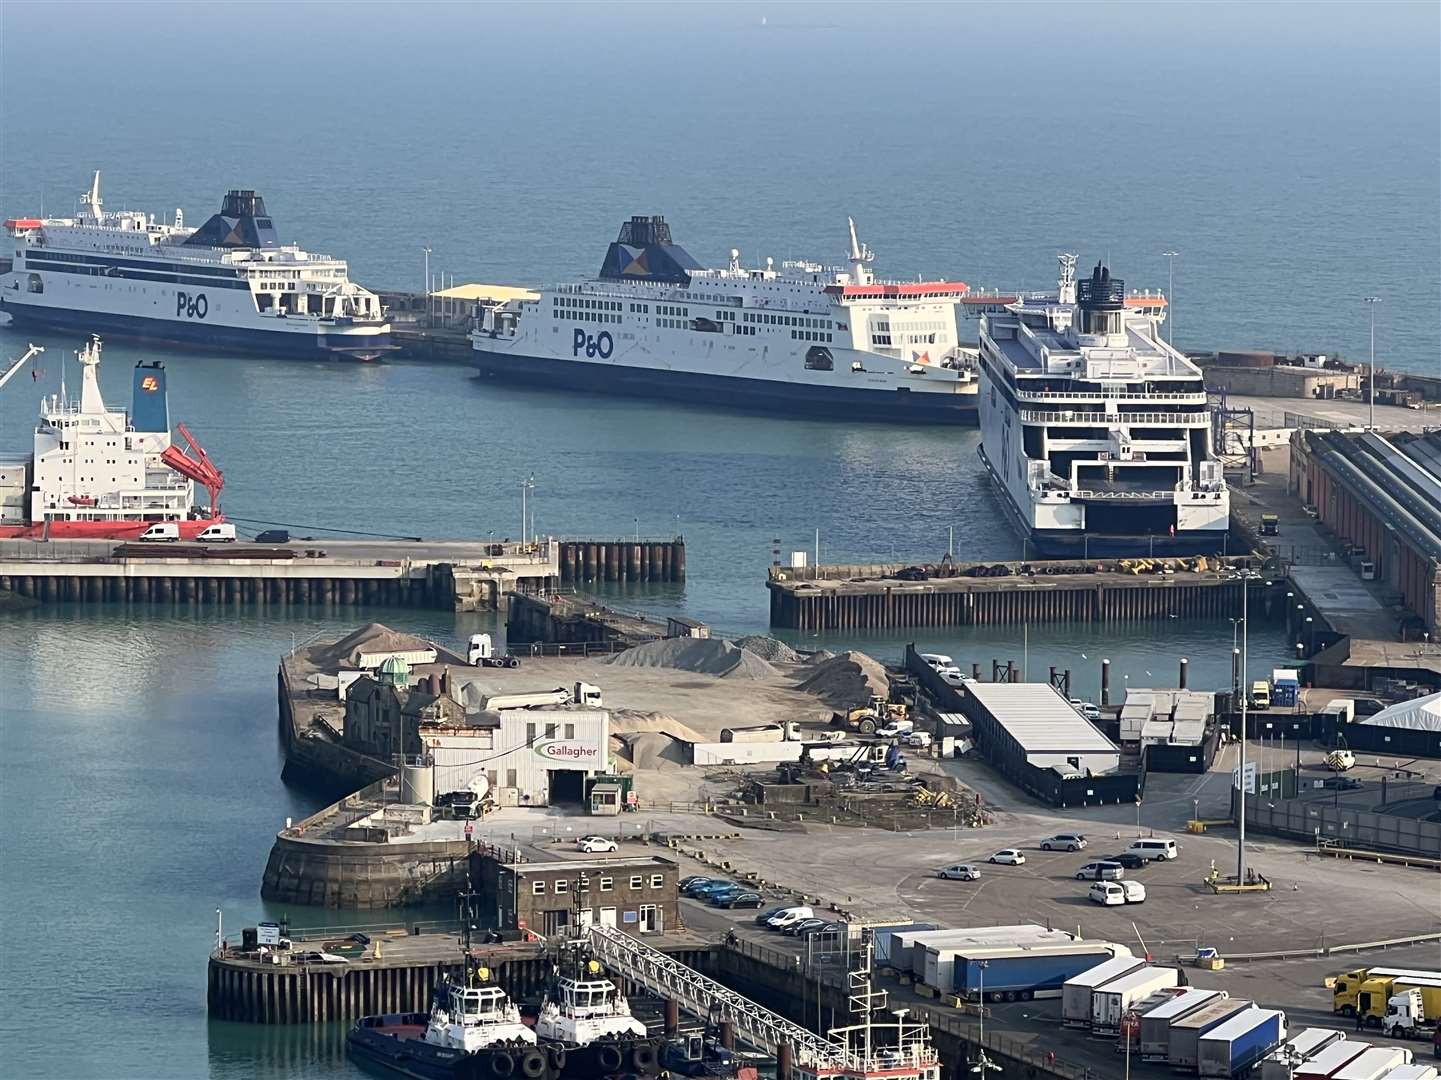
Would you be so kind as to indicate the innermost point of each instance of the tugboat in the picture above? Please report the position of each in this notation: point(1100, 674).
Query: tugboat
point(586, 1016)
point(472, 1032)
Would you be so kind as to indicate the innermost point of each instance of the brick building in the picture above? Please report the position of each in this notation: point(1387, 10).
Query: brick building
point(639, 895)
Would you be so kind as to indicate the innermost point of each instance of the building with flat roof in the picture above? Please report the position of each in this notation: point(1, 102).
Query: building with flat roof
point(640, 895)
point(1033, 735)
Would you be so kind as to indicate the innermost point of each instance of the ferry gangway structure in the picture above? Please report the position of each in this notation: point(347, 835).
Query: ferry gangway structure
point(665, 976)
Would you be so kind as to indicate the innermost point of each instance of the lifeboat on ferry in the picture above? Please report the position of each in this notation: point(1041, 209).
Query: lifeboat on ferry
point(83, 500)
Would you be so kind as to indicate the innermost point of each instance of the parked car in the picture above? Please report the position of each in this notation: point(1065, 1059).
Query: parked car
point(796, 928)
point(1107, 893)
point(825, 928)
point(273, 536)
point(1134, 890)
point(1100, 871)
point(783, 918)
point(955, 677)
point(961, 871)
point(1155, 849)
point(1066, 841)
point(896, 728)
point(912, 573)
point(1008, 857)
point(703, 892)
point(691, 879)
point(744, 900)
point(1129, 861)
point(594, 844)
point(762, 917)
point(722, 897)
point(1341, 783)
point(1087, 709)
point(919, 740)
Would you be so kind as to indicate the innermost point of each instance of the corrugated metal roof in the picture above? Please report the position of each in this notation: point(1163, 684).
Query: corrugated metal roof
point(1040, 719)
point(498, 294)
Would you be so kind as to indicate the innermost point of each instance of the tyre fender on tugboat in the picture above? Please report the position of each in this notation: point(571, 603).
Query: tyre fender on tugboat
point(533, 1065)
point(610, 1058)
point(502, 1064)
point(644, 1058)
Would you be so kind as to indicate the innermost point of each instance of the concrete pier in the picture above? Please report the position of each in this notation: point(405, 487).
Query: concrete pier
point(872, 597)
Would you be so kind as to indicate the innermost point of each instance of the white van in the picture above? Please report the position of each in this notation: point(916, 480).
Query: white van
point(162, 531)
point(223, 533)
point(788, 916)
point(1154, 849)
point(937, 660)
point(1107, 893)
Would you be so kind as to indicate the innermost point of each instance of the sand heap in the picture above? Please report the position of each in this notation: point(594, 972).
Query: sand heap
point(772, 650)
point(371, 638)
point(846, 681)
point(645, 740)
point(704, 656)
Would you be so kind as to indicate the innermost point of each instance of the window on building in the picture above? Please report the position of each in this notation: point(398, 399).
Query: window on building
point(561, 885)
point(657, 880)
point(636, 881)
point(550, 731)
point(529, 733)
point(510, 778)
point(537, 888)
point(570, 731)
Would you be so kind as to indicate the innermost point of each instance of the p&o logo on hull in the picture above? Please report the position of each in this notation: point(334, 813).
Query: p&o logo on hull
point(191, 305)
point(601, 345)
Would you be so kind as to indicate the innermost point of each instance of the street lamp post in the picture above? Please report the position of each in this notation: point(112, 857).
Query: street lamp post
point(1245, 701)
point(428, 289)
point(526, 485)
point(1371, 302)
point(1170, 298)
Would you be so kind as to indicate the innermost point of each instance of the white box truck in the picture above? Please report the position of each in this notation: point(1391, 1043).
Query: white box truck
point(1110, 1001)
point(1076, 994)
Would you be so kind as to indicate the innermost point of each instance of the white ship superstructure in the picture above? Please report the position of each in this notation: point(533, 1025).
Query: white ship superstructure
point(802, 339)
point(229, 283)
point(1096, 430)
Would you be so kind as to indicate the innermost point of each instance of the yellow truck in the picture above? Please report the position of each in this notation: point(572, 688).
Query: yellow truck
point(1346, 988)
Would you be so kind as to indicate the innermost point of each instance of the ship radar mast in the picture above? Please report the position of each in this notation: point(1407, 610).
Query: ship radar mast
point(860, 258)
point(1066, 287)
point(89, 357)
point(735, 260)
point(90, 200)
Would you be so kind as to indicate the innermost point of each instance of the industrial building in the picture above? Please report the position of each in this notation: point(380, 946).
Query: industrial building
point(1173, 728)
point(638, 895)
point(516, 756)
point(1381, 494)
point(1036, 739)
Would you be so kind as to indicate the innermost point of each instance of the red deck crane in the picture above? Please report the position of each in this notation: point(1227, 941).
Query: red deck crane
point(199, 468)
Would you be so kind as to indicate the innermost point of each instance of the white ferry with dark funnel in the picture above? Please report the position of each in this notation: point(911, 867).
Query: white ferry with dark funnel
point(804, 339)
point(1095, 429)
point(231, 283)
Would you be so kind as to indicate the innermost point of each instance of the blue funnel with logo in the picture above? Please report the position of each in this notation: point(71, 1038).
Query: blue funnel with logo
point(150, 409)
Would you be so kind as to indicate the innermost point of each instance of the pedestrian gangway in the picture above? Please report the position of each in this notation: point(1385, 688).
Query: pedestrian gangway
point(669, 978)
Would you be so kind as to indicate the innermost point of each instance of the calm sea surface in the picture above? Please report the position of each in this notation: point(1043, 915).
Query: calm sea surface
point(1289, 153)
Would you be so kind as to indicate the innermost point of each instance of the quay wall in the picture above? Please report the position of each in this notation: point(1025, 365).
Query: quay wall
point(622, 560)
point(341, 874)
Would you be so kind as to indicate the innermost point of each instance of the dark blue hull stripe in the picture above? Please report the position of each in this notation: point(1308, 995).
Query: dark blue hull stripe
point(236, 338)
point(750, 395)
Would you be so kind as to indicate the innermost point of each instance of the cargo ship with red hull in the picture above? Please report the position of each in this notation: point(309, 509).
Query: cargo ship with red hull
point(96, 473)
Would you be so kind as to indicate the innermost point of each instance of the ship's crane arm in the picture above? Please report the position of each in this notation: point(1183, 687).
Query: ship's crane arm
point(16, 365)
point(198, 468)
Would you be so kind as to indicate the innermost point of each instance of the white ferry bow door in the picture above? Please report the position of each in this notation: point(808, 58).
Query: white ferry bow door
point(607, 916)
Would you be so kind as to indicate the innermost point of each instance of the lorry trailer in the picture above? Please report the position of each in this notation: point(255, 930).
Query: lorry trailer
point(1184, 1045)
point(1076, 993)
point(1304, 1045)
point(1373, 1064)
point(1110, 1002)
point(908, 950)
point(934, 963)
point(1232, 1047)
point(1156, 1023)
point(1331, 1059)
point(1023, 972)
point(1412, 1071)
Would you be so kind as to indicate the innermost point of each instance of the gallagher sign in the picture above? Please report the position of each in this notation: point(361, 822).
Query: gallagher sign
point(569, 754)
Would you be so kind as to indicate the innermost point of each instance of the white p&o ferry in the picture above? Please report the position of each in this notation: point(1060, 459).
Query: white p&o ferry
point(230, 283)
point(1095, 429)
point(804, 339)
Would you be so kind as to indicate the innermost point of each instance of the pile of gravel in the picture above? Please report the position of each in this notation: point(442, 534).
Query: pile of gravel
point(846, 681)
point(704, 656)
point(772, 650)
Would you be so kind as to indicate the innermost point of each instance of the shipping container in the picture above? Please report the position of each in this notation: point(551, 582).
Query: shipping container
point(1110, 1002)
point(1331, 1059)
point(1185, 1036)
point(1305, 1044)
point(1231, 1048)
point(1023, 972)
point(1076, 994)
point(1156, 1023)
point(1373, 1063)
